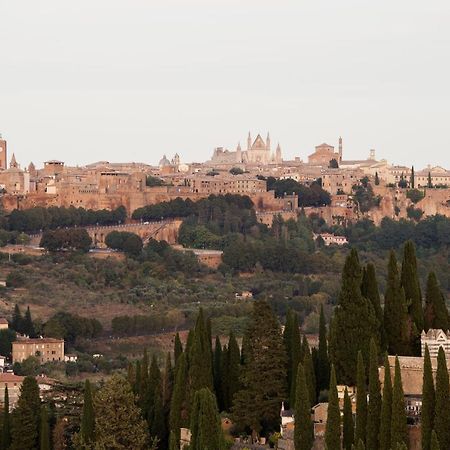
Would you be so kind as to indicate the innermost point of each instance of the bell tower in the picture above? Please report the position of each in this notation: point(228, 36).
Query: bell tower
point(3, 155)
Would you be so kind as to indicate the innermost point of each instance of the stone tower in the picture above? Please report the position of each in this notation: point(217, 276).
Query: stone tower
point(340, 149)
point(238, 153)
point(3, 155)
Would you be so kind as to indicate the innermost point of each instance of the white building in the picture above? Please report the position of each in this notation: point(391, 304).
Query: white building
point(435, 339)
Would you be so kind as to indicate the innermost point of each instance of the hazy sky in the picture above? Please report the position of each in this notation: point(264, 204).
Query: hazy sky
point(123, 80)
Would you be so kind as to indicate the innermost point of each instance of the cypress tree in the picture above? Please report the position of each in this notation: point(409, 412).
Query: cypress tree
point(179, 411)
point(361, 401)
point(310, 376)
point(26, 417)
point(411, 286)
point(28, 326)
point(428, 401)
point(87, 428)
point(17, 319)
point(303, 432)
point(131, 375)
point(233, 369)
point(374, 407)
point(200, 359)
point(168, 380)
point(263, 375)
point(173, 443)
point(137, 383)
point(6, 431)
point(413, 179)
point(143, 382)
point(217, 372)
point(205, 422)
point(323, 363)
point(348, 427)
point(442, 411)
point(396, 320)
point(287, 339)
point(245, 348)
point(45, 430)
point(354, 322)
point(434, 441)
point(369, 289)
point(295, 357)
point(178, 347)
point(430, 181)
point(333, 427)
point(154, 412)
point(399, 430)
point(386, 408)
point(436, 312)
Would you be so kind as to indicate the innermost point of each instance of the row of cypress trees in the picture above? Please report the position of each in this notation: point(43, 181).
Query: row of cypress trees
point(359, 317)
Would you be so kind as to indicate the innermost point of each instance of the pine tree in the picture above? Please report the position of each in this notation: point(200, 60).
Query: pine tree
point(200, 358)
point(399, 430)
point(354, 322)
point(263, 376)
point(295, 357)
point(44, 434)
point(26, 417)
point(87, 428)
point(17, 320)
point(303, 433)
point(28, 326)
point(434, 441)
point(205, 422)
point(396, 320)
point(442, 411)
point(178, 347)
point(361, 401)
point(348, 427)
point(323, 363)
point(333, 427)
point(411, 286)
point(436, 312)
point(369, 290)
point(428, 401)
point(179, 406)
point(386, 408)
point(374, 407)
point(6, 430)
point(118, 421)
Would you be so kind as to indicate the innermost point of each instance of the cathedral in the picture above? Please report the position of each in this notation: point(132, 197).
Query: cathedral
point(257, 152)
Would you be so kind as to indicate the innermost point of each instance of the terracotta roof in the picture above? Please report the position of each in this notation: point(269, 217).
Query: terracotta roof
point(3, 320)
point(10, 378)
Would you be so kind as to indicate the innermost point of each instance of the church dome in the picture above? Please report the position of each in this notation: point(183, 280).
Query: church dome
point(163, 162)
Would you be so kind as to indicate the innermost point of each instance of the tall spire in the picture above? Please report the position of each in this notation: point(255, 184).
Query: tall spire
point(268, 142)
point(13, 162)
point(249, 141)
point(278, 157)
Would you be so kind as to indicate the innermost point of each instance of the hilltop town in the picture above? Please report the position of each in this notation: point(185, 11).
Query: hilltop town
point(245, 171)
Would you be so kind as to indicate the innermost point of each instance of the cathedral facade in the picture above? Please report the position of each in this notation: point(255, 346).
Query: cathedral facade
point(258, 152)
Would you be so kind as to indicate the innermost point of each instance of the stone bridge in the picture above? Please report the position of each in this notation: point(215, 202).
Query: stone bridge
point(162, 230)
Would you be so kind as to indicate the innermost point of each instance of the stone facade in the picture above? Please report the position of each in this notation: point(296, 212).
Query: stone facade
point(435, 339)
point(45, 349)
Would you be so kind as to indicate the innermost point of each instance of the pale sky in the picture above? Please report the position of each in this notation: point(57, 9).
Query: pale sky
point(91, 80)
